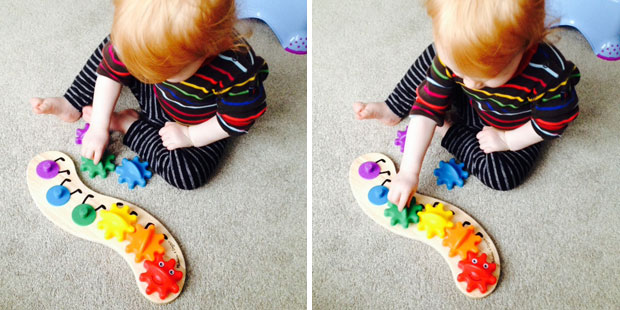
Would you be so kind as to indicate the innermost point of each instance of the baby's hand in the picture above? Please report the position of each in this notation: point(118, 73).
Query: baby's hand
point(402, 188)
point(94, 144)
point(492, 140)
point(175, 136)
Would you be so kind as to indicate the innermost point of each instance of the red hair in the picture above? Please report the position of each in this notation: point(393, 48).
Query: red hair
point(483, 36)
point(156, 39)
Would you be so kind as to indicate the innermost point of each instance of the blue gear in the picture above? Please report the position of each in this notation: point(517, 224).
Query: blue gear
point(451, 173)
point(133, 172)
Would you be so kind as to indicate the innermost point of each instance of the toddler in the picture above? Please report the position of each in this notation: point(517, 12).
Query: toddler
point(508, 88)
point(196, 80)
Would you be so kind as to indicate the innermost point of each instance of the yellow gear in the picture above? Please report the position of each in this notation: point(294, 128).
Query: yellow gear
point(434, 219)
point(116, 222)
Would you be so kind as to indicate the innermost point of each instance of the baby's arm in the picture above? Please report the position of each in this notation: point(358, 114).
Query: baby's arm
point(405, 183)
point(176, 136)
point(429, 109)
point(550, 117)
point(495, 140)
point(104, 100)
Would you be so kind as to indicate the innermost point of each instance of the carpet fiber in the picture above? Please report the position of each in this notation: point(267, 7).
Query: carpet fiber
point(243, 235)
point(556, 234)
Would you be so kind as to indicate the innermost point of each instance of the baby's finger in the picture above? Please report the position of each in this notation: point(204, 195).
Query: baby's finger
point(86, 152)
point(485, 148)
point(393, 196)
point(402, 202)
point(96, 156)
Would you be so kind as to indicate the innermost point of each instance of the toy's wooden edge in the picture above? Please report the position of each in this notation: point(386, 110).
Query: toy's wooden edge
point(376, 214)
point(172, 247)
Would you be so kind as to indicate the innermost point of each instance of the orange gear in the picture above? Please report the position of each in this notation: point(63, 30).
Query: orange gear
point(460, 240)
point(144, 242)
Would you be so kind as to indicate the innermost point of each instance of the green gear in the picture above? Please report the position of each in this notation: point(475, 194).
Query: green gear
point(105, 165)
point(408, 215)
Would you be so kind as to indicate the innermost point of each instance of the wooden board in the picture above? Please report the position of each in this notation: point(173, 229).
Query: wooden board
point(61, 216)
point(361, 187)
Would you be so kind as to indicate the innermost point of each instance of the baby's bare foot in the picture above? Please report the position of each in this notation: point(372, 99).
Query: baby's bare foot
point(58, 106)
point(119, 121)
point(122, 120)
point(375, 110)
point(87, 112)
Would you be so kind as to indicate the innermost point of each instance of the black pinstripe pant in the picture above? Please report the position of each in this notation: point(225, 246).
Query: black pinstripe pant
point(497, 170)
point(185, 168)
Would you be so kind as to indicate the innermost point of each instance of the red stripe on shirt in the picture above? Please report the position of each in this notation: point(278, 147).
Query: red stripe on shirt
point(235, 119)
point(114, 71)
point(415, 107)
point(555, 126)
point(433, 94)
point(534, 79)
point(230, 77)
point(517, 87)
point(504, 121)
point(109, 74)
point(206, 78)
point(182, 113)
point(500, 126)
point(111, 53)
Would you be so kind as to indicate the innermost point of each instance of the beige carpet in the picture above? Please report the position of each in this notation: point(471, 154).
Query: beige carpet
point(243, 234)
point(556, 234)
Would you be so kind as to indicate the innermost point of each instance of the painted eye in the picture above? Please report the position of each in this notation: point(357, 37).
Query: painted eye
point(474, 261)
point(171, 272)
point(161, 264)
point(485, 266)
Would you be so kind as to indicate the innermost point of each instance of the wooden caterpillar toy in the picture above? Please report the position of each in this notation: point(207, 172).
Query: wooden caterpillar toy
point(148, 247)
point(463, 243)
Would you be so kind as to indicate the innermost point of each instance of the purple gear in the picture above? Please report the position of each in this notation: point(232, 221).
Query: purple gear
point(401, 136)
point(80, 132)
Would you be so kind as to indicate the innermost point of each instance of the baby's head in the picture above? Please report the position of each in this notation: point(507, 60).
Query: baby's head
point(157, 39)
point(483, 41)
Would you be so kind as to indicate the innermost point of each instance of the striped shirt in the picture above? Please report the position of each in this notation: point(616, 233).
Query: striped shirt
point(228, 87)
point(541, 91)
